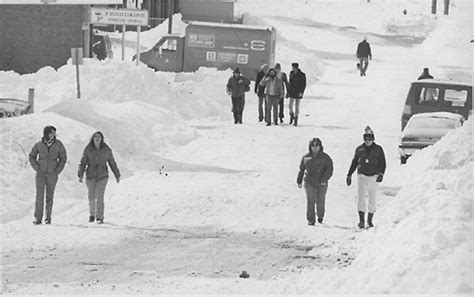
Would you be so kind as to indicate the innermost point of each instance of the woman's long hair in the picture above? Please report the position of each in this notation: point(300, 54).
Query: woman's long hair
point(102, 142)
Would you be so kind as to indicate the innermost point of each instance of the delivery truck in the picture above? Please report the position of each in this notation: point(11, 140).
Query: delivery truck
point(218, 45)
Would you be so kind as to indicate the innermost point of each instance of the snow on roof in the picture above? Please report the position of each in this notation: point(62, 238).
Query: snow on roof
point(438, 114)
point(226, 25)
point(444, 82)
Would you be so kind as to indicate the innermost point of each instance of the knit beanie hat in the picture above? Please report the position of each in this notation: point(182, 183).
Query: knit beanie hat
point(368, 133)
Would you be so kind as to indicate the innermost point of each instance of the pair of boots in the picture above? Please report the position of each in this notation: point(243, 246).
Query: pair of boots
point(361, 224)
point(293, 120)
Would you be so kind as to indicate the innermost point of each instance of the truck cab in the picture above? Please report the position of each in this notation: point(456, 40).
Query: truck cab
point(166, 54)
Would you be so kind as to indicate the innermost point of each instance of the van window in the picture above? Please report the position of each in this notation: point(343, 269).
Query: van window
point(428, 96)
point(170, 45)
point(457, 98)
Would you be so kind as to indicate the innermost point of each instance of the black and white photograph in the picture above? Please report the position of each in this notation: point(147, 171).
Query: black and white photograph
point(236, 147)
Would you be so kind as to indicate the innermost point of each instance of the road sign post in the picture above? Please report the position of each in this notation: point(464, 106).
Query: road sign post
point(76, 56)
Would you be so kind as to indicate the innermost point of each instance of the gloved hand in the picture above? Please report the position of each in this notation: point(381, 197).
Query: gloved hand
point(348, 180)
point(300, 185)
point(379, 178)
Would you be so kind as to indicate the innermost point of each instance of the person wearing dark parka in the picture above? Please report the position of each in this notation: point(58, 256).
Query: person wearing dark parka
point(316, 168)
point(95, 158)
point(48, 158)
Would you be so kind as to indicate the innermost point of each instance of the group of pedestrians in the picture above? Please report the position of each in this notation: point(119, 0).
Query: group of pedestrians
point(316, 168)
point(272, 85)
point(48, 158)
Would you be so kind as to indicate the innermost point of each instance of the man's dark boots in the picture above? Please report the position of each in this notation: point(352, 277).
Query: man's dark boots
point(295, 121)
point(361, 224)
point(292, 117)
point(369, 220)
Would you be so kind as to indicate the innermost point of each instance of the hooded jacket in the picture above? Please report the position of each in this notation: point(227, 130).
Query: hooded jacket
point(48, 159)
point(94, 163)
point(237, 86)
point(317, 169)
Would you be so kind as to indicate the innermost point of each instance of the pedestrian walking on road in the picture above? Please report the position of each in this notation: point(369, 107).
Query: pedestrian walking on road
point(317, 167)
point(426, 74)
point(283, 78)
point(97, 154)
point(297, 85)
point(364, 53)
point(260, 91)
point(48, 158)
point(236, 88)
point(369, 160)
point(274, 91)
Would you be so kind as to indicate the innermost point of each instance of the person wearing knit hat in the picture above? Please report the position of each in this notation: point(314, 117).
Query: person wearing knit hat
point(317, 168)
point(369, 160)
point(236, 87)
point(48, 158)
point(284, 80)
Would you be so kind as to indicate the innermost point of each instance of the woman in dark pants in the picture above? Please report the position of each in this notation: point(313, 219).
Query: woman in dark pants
point(317, 168)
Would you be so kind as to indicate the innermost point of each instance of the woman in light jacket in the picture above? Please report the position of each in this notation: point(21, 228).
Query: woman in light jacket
point(94, 163)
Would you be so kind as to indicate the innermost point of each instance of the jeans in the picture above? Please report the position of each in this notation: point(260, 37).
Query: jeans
point(262, 105)
point(272, 103)
point(294, 111)
point(315, 195)
point(45, 182)
point(364, 64)
point(96, 197)
point(238, 108)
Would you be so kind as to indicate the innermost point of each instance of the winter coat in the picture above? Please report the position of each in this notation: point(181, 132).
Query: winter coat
point(273, 86)
point(94, 163)
point(238, 86)
point(297, 84)
point(363, 50)
point(369, 161)
point(259, 90)
point(46, 159)
point(317, 170)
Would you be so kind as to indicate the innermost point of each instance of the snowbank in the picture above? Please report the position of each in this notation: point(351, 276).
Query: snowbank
point(425, 232)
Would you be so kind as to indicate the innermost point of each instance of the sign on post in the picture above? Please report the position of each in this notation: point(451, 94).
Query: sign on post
point(76, 56)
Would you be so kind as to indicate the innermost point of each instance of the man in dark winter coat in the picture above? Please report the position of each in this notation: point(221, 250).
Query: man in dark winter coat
point(363, 54)
point(369, 160)
point(260, 91)
point(425, 75)
point(317, 168)
point(48, 158)
point(296, 87)
point(236, 88)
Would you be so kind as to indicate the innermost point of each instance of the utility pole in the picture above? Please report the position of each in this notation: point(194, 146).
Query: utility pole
point(433, 6)
point(170, 18)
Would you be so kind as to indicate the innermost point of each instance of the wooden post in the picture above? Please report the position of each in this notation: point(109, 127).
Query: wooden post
point(433, 6)
point(446, 7)
point(123, 42)
point(77, 76)
point(31, 100)
point(138, 44)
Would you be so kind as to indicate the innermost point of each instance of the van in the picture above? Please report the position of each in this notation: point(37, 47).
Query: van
point(431, 95)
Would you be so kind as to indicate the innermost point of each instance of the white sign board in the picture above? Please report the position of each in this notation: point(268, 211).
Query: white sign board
point(127, 17)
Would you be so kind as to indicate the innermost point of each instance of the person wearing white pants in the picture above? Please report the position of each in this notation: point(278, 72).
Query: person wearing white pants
point(369, 160)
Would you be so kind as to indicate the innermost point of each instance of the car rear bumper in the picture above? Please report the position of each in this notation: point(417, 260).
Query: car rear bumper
point(407, 150)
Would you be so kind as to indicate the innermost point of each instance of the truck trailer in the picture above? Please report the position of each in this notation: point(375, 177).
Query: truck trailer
point(218, 45)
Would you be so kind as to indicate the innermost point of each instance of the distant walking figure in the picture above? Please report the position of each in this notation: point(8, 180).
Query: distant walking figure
point(236, 88)
point(260, 91)
point(426, 74)
point(95, 158)
point(317, 168)
point(364, 54)
point(48, 158)
point(296, 87)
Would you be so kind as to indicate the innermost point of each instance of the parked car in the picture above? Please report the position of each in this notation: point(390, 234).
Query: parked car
point(13, 107)
point(424, 129)
point(431, 95)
